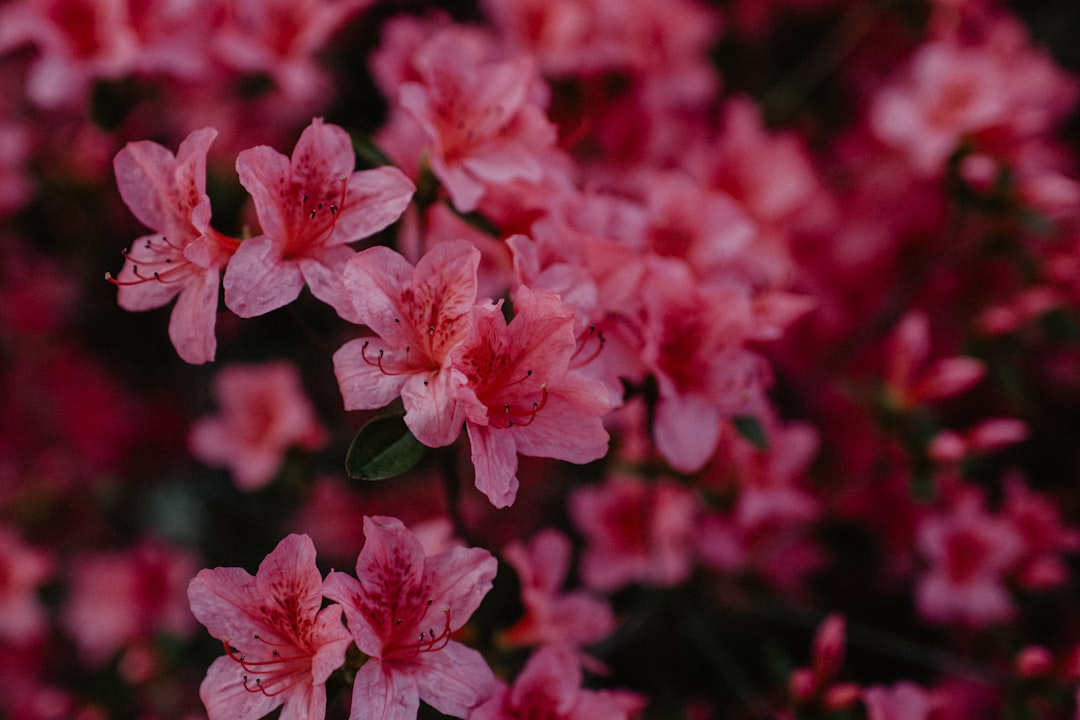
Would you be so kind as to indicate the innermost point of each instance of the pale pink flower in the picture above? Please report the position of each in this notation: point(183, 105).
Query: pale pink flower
point(949, 92)
point(402, 612)
point(438, 223)
point(903, 701)
point(281, 39)
point(184, 258)
point(23, 569)
point(309, 207)
point(553, 615)
point(635, 531)
point(478, 114)
point(695, 350)
point(769, 481)
point(522, 394)
point(78, 42)
point(419, 315)
point(280, 647)
point(263, 412)
point(118, 600)
point(970, 552)
point(706, 228)
point(549, 686)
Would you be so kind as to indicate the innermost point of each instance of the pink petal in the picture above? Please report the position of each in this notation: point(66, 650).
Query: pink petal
point(348, 591)
point(373, 281)
point(374, 199)
point(191, 326)
point(431, 412)
point(459, 578)
point(455, 679)
point(321, 268)
point(363, 385)
point(262, 172)
point(687, 430)
point(569, 427)
point(144, 178)
point(225, 697)
point(381, 694)
point(223, 599)
point(494, 455)
point(289, 577)
point(257, 280)
point(333, 640)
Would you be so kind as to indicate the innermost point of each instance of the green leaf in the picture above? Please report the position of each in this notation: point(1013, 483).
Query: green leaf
point(751, 429)
point(383, 448)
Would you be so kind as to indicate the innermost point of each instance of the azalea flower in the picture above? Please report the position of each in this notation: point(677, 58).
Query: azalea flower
point(24, 568)
point(522, 395)
point(402, 612)
point(552, 615)
point(420, 314)
point(635, 532)
point(280, 648)
point(549, 686)
point(478, 114)
point(264, 413)
point(184, 258)
point(309, 207)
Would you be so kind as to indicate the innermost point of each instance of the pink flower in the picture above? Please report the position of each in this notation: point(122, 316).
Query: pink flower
point(402, 612)
point(950, 91)
point(184, 258)
point(477, 114)
point(78, 42)
point(695, 349)
point(264, 412)
point(22, 570)
point(552, 615)
point(549, 686)
point(119, 600)
point(903, 701)
point(280, 648)
point(635, 532)
point(281, 38)
point(970, 552)
point(309, 207)
point(1037, 519)
point(522, 395)
point(910, 379)
point(419, 315)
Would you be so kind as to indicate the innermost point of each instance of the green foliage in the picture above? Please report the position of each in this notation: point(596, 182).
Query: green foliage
point(382, 449)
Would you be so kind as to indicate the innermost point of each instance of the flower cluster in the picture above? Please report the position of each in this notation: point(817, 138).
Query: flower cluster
point(645, 359)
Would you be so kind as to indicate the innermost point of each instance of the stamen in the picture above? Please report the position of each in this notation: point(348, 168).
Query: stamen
point(274, 676)
point(575, 362)
point(379, 360)
point(524, 418)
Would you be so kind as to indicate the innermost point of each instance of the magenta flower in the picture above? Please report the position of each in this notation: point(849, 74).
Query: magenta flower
point(279, 646)
point(184, 258)
point(402, 613)
point(523, 396)
point(420, 315)
point(309, 207)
